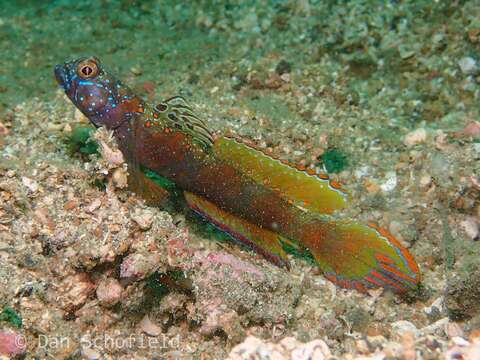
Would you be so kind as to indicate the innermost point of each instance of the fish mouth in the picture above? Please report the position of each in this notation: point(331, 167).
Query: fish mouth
point(61, 76)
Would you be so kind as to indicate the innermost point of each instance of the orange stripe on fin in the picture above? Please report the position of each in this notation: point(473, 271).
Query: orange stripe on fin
point(384, 259)
point(393, 241)
point(355, 252)
point(386, 280)
point(398, 273)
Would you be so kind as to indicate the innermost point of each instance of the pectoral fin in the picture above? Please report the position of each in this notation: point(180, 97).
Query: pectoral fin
point(261, 240)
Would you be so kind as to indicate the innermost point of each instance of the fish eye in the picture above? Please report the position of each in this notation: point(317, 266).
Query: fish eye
point(87, 69)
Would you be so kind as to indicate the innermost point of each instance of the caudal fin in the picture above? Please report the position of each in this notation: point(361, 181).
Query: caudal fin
point(362, 257)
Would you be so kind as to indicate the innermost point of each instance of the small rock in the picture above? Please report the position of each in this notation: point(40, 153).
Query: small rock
point(30, 184)
point(89, 353)
point(453, 329)
point(109, 292)
point(471, 228)
point(137, 266)
point(376, 342)
point(425, 181)
point(3, 130)
point(120, 178)
point(12, 344)
point(94, 205)
point(273, 81)
point(473, 352)
point(415, 137)
point(474, 35)
point(460, 341)
point(144, 218)
point(148, 327)
point(438, 327)
point(390, 182)
point(436, 308)
point(316, 349)
point(372, 187)
point(402, 328)
point(468, 65)
point(470, 130)
point(74, 291)
point(136, 70)
point(114, 157)
point(287, 77)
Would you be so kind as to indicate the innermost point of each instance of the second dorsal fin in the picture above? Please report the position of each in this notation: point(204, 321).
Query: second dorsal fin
point(305, 190)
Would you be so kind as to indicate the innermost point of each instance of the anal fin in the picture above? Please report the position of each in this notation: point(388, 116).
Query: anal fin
point(261, 240)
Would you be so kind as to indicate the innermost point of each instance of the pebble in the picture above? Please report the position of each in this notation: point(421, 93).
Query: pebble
point(415, 137)
point(137, 266)
point(425, 181)
point(114, 157)
point(467, 65)
point(288, 348)
point(316, 349)
point(137, 71)
point(472, 129)
point(143, 218)
point(30, 184)
point(109, 292)
point(149, 327)
point(94, 205)
point(436, 307)
point(120, 178)
point(3, 130)
point(74, 291)
point(402, 328)
point(390, 181)
point(453, 329)
point(471, 227)
point(89, 353)
point(12, 344)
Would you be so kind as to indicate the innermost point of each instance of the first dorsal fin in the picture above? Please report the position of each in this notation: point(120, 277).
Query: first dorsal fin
point(304, 189)
point(180, 116)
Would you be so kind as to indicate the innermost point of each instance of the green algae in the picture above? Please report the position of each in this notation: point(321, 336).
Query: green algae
point(12, 317)
point(82, 141)
point(334, 161)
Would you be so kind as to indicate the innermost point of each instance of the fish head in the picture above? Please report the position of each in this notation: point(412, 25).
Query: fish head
point(93, 90)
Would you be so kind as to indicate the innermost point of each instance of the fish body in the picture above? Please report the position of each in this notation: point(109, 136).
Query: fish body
point(263, 202)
